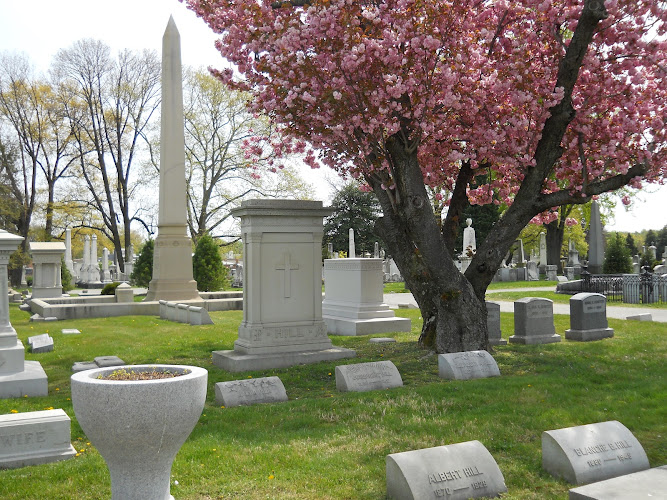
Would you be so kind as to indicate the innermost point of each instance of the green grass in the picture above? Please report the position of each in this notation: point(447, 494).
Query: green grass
point(560, 298)
point(504, 285)
point(322, 444)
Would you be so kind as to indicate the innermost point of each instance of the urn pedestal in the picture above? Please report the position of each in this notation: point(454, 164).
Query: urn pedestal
point(138, 426)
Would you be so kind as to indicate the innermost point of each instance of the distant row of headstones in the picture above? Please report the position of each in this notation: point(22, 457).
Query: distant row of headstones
point(534, 320)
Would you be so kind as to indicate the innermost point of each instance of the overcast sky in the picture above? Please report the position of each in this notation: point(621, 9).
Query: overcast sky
point(40, 27)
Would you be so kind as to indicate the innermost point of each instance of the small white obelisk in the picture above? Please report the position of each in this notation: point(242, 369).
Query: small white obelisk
point(172, 256)
point(351, 253)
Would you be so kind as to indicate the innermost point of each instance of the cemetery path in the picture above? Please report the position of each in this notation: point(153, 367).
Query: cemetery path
point(406, 300)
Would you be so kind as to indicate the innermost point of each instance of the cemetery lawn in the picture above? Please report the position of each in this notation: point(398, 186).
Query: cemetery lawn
point(323, 444)
point(399, 286)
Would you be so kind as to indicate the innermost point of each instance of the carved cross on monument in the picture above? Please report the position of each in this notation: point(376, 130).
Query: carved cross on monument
point(286, 266)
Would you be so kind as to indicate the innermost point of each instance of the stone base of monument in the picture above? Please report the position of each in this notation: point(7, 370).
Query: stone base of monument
point(651, 483)
point(351, 326)
point(235, 361)
point(35, 438)
point(500, 341)
point(353, 299)
point(535, 339)
point(588, 335)
point(31, 381)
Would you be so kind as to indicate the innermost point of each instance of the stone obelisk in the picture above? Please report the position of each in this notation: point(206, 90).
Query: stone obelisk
point(172, 257)
point(595, 241)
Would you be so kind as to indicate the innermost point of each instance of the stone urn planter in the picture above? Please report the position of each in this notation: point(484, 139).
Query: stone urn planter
point(138, 426)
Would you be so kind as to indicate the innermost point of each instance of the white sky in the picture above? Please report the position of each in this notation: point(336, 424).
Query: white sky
point(40, 27)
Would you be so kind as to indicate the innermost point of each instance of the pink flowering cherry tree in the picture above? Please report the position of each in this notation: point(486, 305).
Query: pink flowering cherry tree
point(555, 101)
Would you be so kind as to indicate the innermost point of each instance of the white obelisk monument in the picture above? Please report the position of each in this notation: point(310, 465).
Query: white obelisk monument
point(172, 257)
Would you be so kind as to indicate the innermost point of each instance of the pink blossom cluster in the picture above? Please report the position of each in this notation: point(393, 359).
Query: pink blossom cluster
point(460, 79)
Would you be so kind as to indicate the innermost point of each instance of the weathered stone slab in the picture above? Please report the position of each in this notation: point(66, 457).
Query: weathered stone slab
point(33, 438)
point(171, 313)
point(70, 331)
point(534, 322)
point(199, 316)
point(43, 336)
point(493, 324)
point(593, 452)
point(250, 392)
point(640, 317)
point(105, 361)
point(651, 483)
point(467, 365)
point(455, 472)
point(588, 317)
point(381, 340)
point(80, 366)
point(29, 381)
point(42, 343)
point(361, 377)
point(182, 313)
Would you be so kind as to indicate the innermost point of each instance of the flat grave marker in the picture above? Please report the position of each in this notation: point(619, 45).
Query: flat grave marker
point(455, 472)
point(651, 483)
point(382, 340)
point(41, 344)
point(250, 392)
point(592, 452)
point(467, 365)
point(361, 377)
point(640, 317)
point(70, 331)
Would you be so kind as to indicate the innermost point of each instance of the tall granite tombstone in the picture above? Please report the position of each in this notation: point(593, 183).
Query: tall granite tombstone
point(94, 269)
point(68, 251)
point(532, 273)
point(552, 272)
point(595, 241)
point(85, 265)
point(282, 299)
point(106, 276)
point(543, 252)
point(534, 322)
point(47, 260)
point(172, 255)
point(493, 324)
point(588, 317)
point(572, 255)
point(18, 377)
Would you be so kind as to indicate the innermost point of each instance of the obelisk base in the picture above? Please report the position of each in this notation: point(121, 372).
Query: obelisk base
point(172, 268)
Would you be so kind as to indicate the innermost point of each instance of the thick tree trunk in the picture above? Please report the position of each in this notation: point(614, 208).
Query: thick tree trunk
point(454, 316)
point(555, 233)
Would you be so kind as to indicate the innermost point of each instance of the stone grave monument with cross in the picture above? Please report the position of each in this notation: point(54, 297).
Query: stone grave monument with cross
point(282, 301)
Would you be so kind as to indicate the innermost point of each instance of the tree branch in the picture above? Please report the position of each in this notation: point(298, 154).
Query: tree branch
point(563, 197)
point(457, 205)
